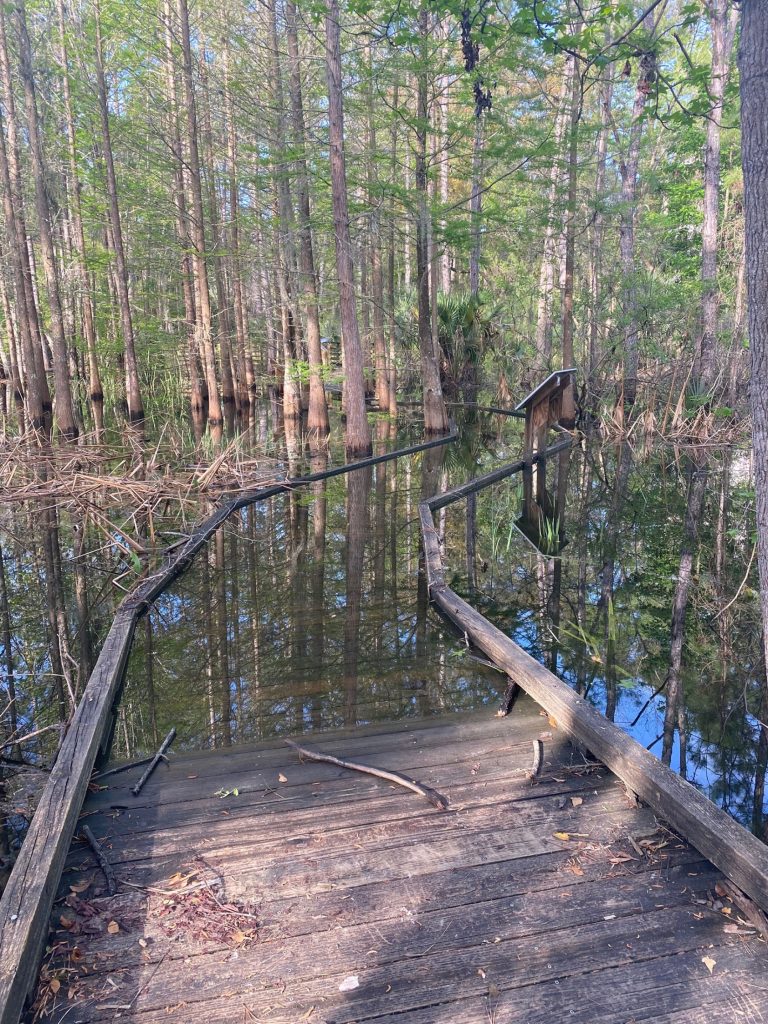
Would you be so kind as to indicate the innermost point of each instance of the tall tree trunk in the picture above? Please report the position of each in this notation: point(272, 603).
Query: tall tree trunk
point(132, 388)
point(317, 419)
point(36, 383)
point(392, 352)
point(197, 231)
point(568, 415)
point(475, 205)
point(96, 393)
point(246, 378)
point(63, 407)
point(377, 272)
point(358, 440)
point(753, 66)
point(722, 19)
point(197, 399)
point(628, 168)
point(595, 267)
point(544, 316)
point(435, 415)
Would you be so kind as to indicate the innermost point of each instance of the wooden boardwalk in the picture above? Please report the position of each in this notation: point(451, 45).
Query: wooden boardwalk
point(317, 894)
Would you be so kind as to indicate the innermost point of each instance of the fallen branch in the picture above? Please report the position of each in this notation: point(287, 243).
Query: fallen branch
point(123, 768)
point(538, 760)
point(439, 801)
point(101, 859)
point(159, 756)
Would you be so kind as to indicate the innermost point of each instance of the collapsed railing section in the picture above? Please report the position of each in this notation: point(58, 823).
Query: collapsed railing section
point(730, 847)
point(28, 897)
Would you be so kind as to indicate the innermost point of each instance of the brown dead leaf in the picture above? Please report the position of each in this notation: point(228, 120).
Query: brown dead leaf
point(564, 836)
point(54, 985)
point(79, 887)
point(733, 929)
point(281, 778)
point(113, 927)
point(576, 801)
point(709, 963)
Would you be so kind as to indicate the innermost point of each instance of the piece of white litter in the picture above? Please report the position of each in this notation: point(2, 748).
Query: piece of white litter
point(349, 983)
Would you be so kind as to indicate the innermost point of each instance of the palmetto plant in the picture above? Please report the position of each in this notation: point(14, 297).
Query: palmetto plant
point(465, 329)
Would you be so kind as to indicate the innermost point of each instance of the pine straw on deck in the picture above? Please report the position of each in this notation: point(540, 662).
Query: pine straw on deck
point(525, 902)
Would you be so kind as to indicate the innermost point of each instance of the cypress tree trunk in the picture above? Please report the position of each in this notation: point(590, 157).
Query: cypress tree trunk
point(544, 319)
point(753, 66)
point(722, 27)
point(64, 410)
point(358, 440)
point(317, 419)
point(435, 415)
point(96, 393)
point(568, 416)
point(628, 168)
point(36, 382)
point(595, 265)
point(197, 399)
point(132, 389)
point(197, 232)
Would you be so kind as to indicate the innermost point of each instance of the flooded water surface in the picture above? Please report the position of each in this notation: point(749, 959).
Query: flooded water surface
point(309, 609)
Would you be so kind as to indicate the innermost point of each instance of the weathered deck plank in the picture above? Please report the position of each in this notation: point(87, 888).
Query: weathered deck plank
point(479, 913)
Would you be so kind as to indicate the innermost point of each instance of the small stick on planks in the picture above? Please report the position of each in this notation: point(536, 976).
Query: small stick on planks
point(159, 756)
point(123, 768)
point(435, 798)
point(538, 760)
point(101, 859)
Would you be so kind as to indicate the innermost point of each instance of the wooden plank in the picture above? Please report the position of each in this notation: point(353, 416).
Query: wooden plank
point(356, 800)
point(178, 784)
point(304, 864)
point(485, 728)
point(535, 878)
point(739, 854)
point(232, 840)
point(433, 958)
point(548, 385)
point(29, 894)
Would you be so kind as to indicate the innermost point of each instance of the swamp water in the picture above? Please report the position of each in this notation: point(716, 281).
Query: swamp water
point(309, 610)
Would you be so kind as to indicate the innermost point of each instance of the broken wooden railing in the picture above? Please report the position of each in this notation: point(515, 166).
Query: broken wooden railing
point(28, 897)
point(739, 854)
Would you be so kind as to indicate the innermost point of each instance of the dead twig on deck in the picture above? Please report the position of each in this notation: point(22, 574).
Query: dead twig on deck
point(435, 798)
point(123, 768)
point(159, 756)
point(101, 859)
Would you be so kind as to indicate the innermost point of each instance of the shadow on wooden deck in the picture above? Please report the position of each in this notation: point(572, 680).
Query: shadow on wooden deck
point(559, 900)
